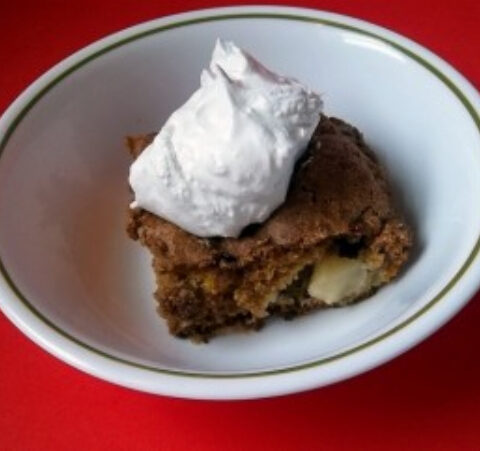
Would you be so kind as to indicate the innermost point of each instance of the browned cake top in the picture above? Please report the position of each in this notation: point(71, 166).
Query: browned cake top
point(338, 188)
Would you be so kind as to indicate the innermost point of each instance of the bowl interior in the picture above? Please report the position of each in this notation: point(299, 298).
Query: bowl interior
point(64, 194)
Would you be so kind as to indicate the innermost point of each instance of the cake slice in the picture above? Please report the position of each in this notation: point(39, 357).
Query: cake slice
point(335, 239)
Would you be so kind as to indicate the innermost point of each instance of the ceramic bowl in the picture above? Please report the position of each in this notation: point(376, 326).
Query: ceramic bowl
point(75, 284)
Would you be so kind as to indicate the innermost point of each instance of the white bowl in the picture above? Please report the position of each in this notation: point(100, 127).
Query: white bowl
point(74, 283)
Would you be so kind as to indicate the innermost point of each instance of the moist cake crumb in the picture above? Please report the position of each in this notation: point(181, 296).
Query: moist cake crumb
point(338, 203)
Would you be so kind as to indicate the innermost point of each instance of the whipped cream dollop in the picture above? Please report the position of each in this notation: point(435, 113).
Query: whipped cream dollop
point(224, 159)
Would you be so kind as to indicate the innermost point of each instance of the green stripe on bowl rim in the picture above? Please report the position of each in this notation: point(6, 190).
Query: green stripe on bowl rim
point(222, 17)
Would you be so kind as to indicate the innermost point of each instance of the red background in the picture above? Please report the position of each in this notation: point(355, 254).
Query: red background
point(428, 398)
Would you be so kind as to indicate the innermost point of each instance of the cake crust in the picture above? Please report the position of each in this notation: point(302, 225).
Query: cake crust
point(338, 188)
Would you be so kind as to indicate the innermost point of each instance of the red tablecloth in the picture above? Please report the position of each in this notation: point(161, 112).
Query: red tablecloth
point(428, 398)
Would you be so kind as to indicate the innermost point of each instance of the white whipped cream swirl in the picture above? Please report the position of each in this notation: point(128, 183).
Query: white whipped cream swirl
point(224, 159)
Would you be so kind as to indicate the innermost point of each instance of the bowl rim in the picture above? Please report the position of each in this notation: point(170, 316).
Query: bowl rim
point(385, 346)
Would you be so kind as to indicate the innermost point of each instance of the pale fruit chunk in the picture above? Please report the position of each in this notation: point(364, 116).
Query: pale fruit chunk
point(337, 279)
